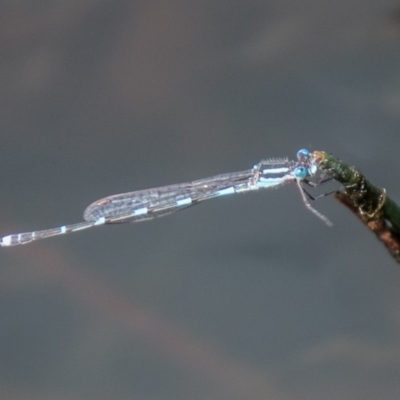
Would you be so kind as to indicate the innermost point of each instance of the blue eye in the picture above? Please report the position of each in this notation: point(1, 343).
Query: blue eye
point(303, 153)
point(300, 172)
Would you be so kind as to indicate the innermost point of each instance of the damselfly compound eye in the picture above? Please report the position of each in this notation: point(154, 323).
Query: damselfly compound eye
point(303, 153)
point(300, 172)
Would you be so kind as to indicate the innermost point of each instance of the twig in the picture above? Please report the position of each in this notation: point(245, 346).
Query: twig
point(369, 203)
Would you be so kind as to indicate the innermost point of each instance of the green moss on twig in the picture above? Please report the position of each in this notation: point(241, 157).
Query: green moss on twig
point(369, 203)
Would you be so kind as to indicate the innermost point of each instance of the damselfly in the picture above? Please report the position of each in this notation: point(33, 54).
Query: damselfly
point(143, 205)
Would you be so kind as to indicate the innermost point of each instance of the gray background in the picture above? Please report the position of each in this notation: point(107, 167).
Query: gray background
point(244, 297)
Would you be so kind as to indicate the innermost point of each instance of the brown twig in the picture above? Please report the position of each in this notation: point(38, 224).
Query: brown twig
point(369, 203)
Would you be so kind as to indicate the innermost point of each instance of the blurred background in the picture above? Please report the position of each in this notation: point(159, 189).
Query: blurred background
point(243, 297)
